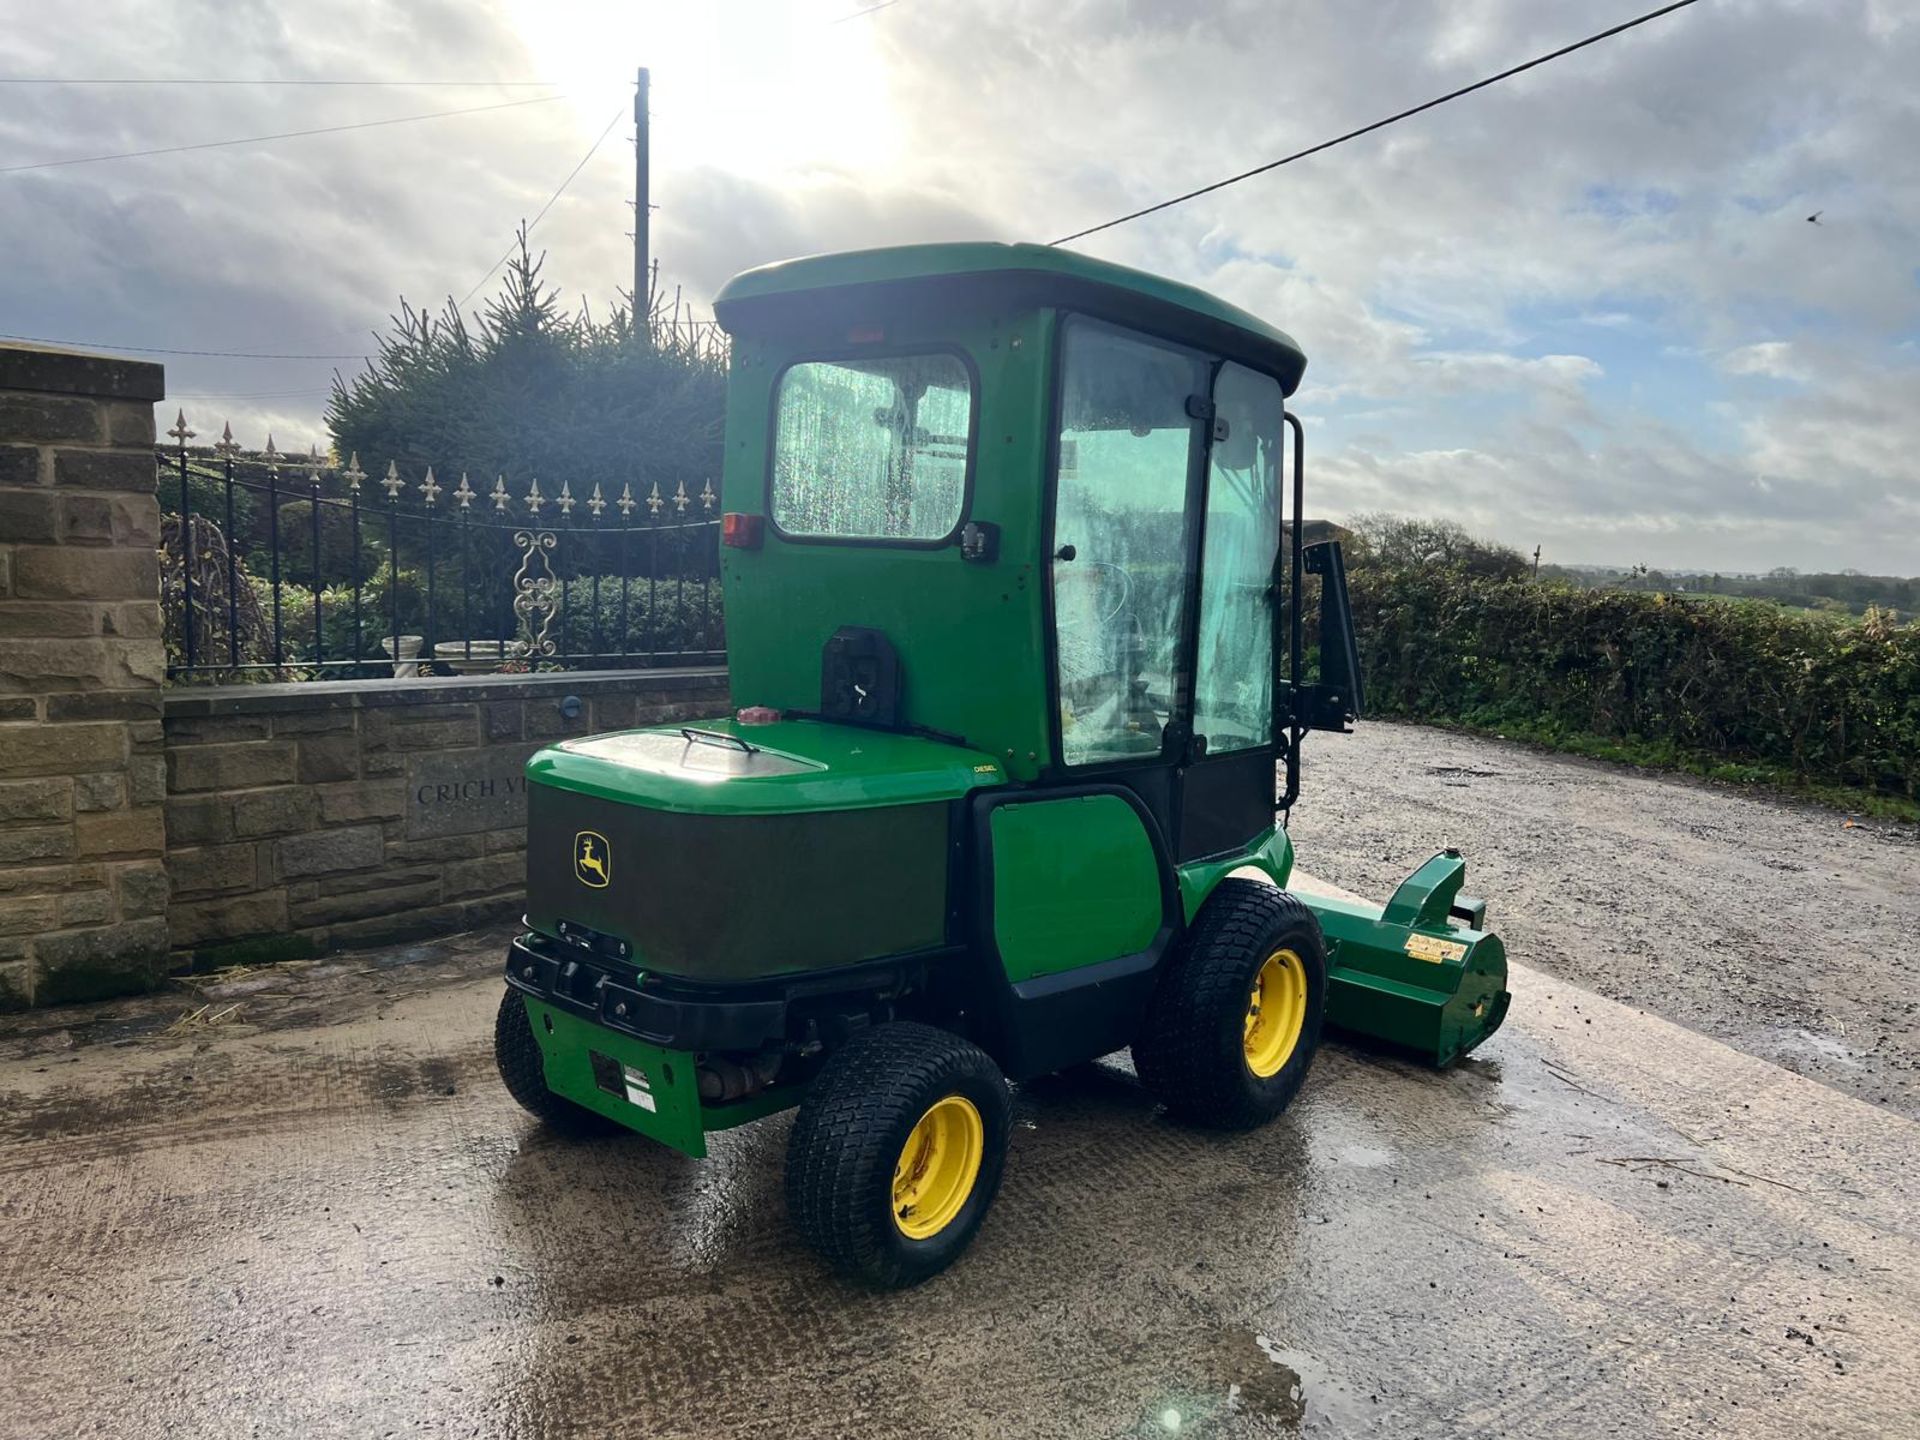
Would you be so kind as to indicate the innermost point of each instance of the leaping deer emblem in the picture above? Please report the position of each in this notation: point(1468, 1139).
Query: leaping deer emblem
point(592, 859)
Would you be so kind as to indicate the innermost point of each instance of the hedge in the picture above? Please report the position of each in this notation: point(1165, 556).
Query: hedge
point(1826, 701)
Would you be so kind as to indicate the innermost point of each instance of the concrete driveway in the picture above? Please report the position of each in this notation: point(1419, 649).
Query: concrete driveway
point(321, 1215)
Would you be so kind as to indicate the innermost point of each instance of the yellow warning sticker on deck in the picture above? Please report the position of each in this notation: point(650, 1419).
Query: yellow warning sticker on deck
point(1432, 948)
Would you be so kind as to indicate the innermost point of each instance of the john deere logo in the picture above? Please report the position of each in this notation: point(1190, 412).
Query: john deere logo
point(592, 859)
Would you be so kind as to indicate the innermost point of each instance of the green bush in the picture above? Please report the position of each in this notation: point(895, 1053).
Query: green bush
point(1736, 682)
point(671, 616)
point(207, 494)
point(337, 632)
point(336, 623)
point(338, 560)
point(531, 390)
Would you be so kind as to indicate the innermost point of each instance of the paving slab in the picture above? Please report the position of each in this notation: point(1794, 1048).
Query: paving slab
point(336, 1223)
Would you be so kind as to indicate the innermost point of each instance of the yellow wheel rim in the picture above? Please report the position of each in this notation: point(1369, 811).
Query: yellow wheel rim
point(937, 1167)
point(1276, 1011)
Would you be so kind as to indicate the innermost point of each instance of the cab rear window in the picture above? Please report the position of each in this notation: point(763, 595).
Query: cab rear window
point(872, 449)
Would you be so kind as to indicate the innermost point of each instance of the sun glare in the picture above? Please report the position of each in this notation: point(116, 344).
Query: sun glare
point(756, 87)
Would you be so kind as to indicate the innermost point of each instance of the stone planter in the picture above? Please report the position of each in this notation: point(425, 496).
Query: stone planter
point(405, 650)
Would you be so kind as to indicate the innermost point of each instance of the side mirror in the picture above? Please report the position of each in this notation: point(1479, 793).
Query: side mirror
point(1339, 698)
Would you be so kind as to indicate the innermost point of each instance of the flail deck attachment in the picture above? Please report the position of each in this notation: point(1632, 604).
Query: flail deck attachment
point(1418, 973)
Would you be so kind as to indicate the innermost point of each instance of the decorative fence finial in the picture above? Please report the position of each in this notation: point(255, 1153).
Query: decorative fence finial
point(539, 593)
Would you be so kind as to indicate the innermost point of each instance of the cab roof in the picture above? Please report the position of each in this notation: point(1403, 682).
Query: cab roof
point(1042, 275)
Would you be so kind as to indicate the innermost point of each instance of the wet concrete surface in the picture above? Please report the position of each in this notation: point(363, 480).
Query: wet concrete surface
point(321, 1215)
point(1785, 928)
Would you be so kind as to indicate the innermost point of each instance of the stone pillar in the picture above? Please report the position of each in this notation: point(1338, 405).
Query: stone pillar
point(83, 888)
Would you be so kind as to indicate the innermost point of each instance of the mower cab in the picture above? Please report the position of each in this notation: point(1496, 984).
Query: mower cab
point(1017, 591)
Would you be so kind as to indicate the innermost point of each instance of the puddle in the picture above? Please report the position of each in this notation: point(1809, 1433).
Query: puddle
point(1263, 1388)
point(1350, 1151)
point(1299, 1391)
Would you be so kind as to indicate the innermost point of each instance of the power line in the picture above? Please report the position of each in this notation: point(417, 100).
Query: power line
point(283, 135)
point(360, 84)
point(592, 151)
point(883, 5)
point(1376, 125)
point(245, 394)
point(163, 350)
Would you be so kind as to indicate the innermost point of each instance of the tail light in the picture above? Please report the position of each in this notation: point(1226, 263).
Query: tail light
point(742, 532)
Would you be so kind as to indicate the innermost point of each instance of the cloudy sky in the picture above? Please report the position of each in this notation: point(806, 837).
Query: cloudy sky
point(1583, 310)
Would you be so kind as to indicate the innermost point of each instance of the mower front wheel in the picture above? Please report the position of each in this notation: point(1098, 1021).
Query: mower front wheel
point(1236, 1019)
point(897, 1153)
point(524, 1073)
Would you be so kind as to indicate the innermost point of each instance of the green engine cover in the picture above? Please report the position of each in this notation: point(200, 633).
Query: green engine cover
point(722, 852)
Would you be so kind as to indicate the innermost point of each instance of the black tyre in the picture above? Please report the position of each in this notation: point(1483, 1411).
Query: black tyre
point(517, 1054)
point(897, 1153)
point(1236, 1019)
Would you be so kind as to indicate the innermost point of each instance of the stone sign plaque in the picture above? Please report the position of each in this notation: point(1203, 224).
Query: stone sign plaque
point(462, 792)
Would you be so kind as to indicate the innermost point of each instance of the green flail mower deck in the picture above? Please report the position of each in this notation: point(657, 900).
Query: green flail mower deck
point(1418, 973)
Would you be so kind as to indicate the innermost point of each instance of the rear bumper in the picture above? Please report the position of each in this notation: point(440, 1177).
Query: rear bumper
point(646, 1088)
point(590, 987)
point(635, 1057)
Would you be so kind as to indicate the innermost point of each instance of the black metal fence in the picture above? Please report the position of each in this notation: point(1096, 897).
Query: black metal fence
point(285, 568)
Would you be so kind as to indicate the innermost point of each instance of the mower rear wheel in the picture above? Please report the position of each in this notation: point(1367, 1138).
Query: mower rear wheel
point(897, 1153)
point(517, 1054)
point(1236, 1019)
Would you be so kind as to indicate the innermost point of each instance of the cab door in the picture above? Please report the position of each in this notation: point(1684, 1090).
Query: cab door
point(1226, 786)
point(1124, 532)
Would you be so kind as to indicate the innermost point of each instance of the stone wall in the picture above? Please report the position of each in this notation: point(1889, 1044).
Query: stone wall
point(83, 893)
point(305, 817)
point(144, 828)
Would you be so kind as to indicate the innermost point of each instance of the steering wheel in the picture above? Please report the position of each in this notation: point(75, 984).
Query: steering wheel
point(1095, 570)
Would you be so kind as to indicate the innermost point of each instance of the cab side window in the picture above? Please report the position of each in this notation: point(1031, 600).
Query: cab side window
point(1233, 671)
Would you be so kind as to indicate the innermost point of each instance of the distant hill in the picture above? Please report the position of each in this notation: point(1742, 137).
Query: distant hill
point(1844, 592)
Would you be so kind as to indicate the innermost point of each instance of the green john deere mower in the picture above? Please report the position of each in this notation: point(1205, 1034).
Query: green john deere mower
point(1016, 600)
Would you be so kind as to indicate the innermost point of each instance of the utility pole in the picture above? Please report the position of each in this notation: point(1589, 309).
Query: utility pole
point(1536, 562)
point(642, 208)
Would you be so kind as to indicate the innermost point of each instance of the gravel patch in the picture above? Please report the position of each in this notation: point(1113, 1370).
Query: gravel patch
point(1776, 926)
